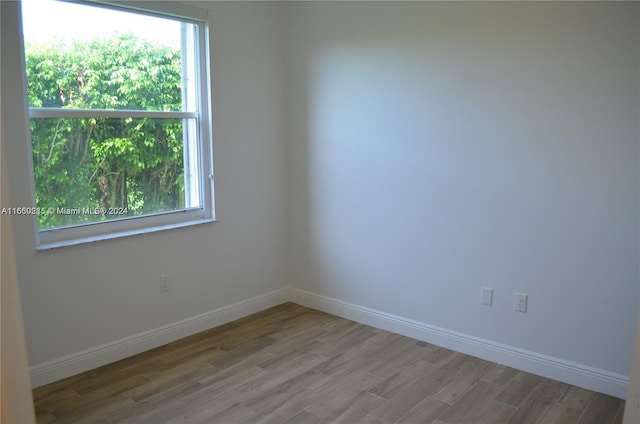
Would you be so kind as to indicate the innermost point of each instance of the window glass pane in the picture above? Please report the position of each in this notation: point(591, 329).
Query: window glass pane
point(144, 155)
point(80, 56)
point(127, 166)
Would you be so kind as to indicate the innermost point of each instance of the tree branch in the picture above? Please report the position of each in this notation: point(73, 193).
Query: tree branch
point(53, 142)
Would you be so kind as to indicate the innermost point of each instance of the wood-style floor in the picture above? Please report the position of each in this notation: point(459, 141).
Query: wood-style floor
point(291, 364)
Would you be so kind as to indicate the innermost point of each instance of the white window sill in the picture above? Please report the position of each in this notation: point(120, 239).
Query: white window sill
point(115, 235)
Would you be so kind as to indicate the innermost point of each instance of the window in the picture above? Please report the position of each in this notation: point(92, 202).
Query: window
point(118, 100)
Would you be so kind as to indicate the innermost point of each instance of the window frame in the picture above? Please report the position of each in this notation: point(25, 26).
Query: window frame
point(115, 228)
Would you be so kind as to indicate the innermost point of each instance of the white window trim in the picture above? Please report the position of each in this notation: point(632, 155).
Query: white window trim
point(115, 228)
point(38, 112)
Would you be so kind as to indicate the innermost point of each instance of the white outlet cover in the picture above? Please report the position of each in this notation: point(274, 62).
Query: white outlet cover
point(520, 303)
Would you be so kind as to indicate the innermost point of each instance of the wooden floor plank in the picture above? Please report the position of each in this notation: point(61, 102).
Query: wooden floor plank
point(405, 400)
point(472, 403)
point(370, 420)
point(302, 340)
point(403, 378)
point(91, 411)
point(340, 359)
point(601, 409)
point(303, 417)
point(56, 399)
point(332, 398)
point(44, 417)
point(562, 414)
point(499, 374)
point(292, 406)
point(270, 401)
point(576, 398)
point(388, 366)
point(516, 391)
point(424, 412)
point(51, 389)
point(539, 402)
point(166, 403)
point(467, 377)
point(494, 412)
point(162, 414)
point(296, 365)
point(620, 415)
point(357, 409)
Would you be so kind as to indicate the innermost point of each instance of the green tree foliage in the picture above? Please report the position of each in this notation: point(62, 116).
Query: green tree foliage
point(133, 164)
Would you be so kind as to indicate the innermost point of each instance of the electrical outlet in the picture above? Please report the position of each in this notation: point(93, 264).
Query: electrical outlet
point(487, 296)
point(164, 283)
point(520, 302)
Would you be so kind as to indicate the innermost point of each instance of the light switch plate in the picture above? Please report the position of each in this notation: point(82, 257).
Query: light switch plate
point(487, 296)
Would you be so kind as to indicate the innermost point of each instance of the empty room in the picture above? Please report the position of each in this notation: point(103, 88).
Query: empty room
point(306, 212)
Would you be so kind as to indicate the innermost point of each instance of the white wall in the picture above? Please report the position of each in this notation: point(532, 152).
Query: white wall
point(80, 297)
point(435, 148)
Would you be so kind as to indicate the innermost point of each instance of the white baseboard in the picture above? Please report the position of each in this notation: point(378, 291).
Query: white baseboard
point(85, 360)
point(536, 363)
point(558, 369)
